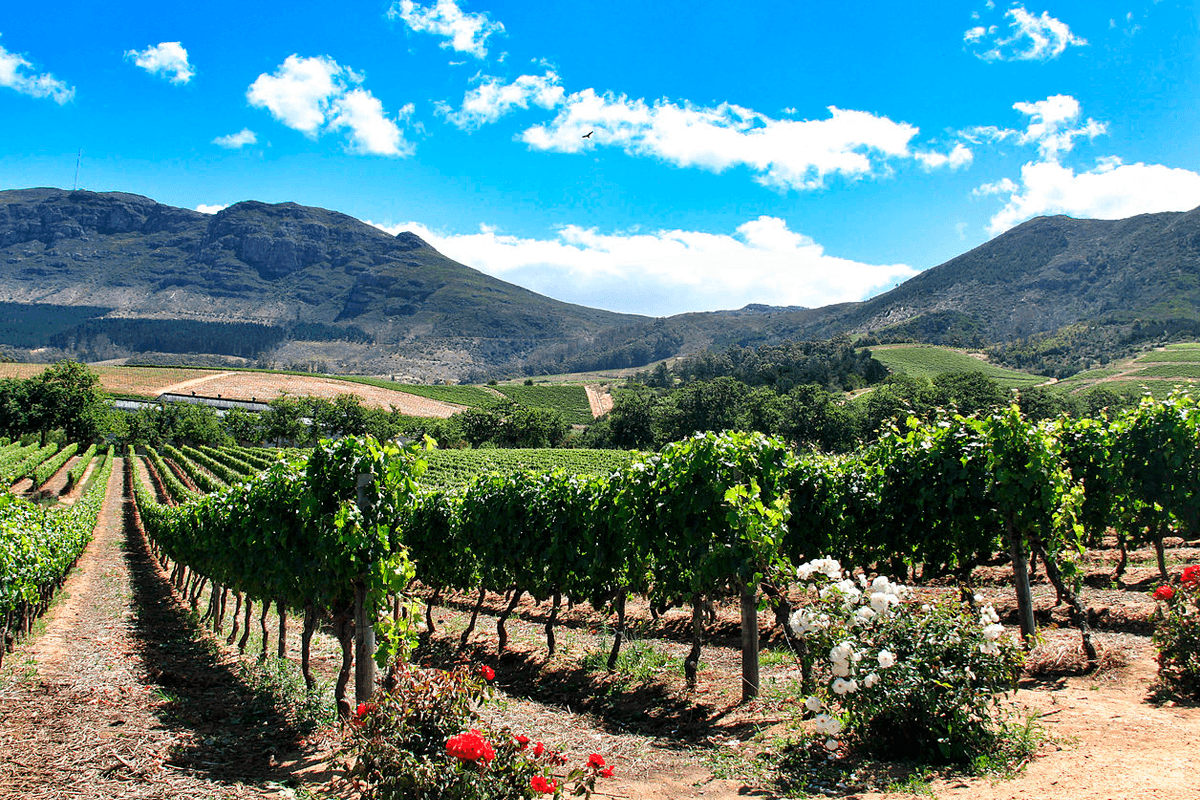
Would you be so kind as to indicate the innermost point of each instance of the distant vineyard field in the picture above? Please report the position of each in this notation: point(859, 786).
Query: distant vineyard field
point(451, 468)
point(570, 401)
point(1185, 355)
point(1170, 371)
point(929, 361)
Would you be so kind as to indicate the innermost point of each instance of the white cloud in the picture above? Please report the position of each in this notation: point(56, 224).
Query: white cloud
point(1054, 125)
point(315, 94)
point(207, 209)
point(370, 130)
point(464, 32)
point(167, 59)
point(1002, 186)
point(960, 156)
point(785, 153)
point(1111, 190)
point(14, 74)
point(493, 98)
point(1031, 38)
point(237, 140)
point(670, 271)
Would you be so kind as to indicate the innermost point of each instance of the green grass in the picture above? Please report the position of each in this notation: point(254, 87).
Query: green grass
point(929, 361)
point(1184, 346)
point(638, 662)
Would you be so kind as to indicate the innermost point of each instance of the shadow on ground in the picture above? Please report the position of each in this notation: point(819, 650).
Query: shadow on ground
point(226, 729)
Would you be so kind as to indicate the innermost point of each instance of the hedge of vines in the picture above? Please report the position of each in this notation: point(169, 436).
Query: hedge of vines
point(712, 515)
point(38, 547)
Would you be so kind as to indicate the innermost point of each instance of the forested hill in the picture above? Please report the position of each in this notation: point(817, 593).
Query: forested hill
point(106, 275)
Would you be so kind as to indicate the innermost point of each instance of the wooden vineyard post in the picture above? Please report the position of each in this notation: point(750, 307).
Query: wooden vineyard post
point(750, 676)
point(364, 620)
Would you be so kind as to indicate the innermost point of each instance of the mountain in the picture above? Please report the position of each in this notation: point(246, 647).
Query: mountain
point(113, 274)
point(106, 275)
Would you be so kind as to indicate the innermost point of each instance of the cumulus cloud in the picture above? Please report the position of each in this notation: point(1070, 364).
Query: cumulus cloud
point(1028, 38)
point(784, 153)
point(235, 141)
point(493, 98)
point(1054, 125)
point(206, 209)
point(167, 59)
point(462, 31)
point(670, 271)
point(16, 73)
point(959, 156)
point(1111, 190)
point(317, 94)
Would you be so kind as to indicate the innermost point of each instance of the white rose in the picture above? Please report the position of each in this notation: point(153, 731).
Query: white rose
point(813, 703)
point(886, 659)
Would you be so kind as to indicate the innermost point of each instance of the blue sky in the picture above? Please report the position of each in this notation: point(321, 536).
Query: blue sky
point(790, 153)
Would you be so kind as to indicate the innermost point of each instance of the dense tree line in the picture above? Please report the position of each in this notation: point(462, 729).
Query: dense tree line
point(831, 363)
point(303, 421)
point(813, 415)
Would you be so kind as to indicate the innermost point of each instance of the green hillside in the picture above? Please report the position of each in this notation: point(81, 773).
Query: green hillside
point(1157, 372)
point(929, 361)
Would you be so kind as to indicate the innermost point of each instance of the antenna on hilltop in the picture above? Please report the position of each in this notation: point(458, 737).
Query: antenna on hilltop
point(78, 159)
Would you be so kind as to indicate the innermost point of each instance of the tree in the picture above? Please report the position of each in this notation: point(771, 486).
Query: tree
point(345, 416)
point(68, 396)
point(242, 426)
point(283, 421)
point(634, 418)
point(714, 405)
point(969, 392)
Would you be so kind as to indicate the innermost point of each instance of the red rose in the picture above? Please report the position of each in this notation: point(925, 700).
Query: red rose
point(487, 672)
point(606, 773)
point(1191, 575)
point(470, 746)
point(522, 741)
point(595, 761)
point(542, 785)
point(538, 749)
point(361, 712)
point(1164, 593)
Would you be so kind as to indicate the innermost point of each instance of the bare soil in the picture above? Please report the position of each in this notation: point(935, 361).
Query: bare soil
point(599, 399)
point(122, 694)
point(265, 386)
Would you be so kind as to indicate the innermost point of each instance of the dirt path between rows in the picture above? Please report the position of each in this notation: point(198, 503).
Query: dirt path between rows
point(120, 697)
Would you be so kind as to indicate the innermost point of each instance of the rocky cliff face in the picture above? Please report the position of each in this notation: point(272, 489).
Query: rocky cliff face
point(332, 288)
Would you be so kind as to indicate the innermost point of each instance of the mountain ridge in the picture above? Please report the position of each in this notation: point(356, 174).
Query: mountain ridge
point(101, 275)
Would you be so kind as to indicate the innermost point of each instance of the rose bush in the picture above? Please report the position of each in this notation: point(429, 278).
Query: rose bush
point(424, 740)
point(901, 680)
point(1177, 632)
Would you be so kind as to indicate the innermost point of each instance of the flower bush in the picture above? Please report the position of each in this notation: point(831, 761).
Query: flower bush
point(423, 740)
point(1177, 632)
point(900, 680)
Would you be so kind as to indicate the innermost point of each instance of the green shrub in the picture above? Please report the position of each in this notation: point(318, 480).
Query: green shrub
point(1177, 632)
point(905, 681)
point(423, 740)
